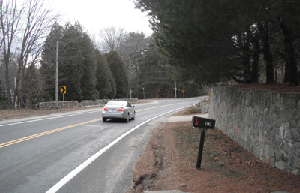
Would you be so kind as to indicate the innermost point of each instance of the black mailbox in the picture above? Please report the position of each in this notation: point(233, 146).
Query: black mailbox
point(203, 122)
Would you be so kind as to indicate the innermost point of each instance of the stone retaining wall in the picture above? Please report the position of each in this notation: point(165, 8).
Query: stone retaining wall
point(265, 123)
point(84, 103)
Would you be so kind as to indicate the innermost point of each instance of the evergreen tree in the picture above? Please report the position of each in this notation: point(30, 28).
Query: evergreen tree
point(76, 63)
point(48, 62)
point(217, 38)
point(88, 81)
point(70, 66)
point(119, 73)
point(105, 81)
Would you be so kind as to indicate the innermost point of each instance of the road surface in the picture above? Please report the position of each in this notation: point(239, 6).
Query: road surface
point(76, 151)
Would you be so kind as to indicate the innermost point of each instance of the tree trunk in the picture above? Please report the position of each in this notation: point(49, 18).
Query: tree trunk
point(17, 96)
point(6, 61)
point(246, 68)
point(247, 55)
point(255, 63)
point(267, 55)
point(291, 71)
point(17, 90)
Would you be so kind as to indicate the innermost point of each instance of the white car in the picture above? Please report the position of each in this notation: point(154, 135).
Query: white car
point(118, 110)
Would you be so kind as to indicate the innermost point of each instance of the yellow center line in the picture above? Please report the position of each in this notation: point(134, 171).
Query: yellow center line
point(43, 133)
point(167, 105)
point(150, 108)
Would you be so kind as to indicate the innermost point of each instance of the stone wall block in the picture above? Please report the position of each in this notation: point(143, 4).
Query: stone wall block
point(278, 112)
point(280, 165)
point(286, 101)
point(286, 115)
point(281, 103)
point(268, 99)
point(277, 100)
point(295, 133)
point(294, 114)
point(293, 104)
point(297, 166)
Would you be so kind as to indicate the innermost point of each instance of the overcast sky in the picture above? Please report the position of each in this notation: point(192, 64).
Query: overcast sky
point(94, 15)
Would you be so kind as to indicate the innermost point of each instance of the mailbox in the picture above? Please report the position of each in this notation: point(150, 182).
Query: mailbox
point(203, 122)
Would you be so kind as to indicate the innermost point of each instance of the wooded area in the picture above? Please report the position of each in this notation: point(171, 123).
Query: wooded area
point(235, 39)
point(119, 67)
point(195, 43)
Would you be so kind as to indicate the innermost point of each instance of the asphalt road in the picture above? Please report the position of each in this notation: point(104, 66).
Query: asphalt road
point(76, 151)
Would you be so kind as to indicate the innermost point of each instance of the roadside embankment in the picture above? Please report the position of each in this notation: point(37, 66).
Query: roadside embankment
point(168, 163)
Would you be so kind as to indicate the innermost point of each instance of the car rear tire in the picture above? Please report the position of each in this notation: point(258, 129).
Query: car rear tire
point(128, 118)
point(104, 119)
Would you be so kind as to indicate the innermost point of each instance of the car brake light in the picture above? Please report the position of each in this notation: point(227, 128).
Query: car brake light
point(122, 109)
point(105, 109)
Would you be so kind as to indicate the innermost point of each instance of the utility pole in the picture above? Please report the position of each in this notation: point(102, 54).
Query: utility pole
point(56, 78)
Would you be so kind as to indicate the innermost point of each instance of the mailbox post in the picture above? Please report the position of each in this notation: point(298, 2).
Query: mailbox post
point(202, 124)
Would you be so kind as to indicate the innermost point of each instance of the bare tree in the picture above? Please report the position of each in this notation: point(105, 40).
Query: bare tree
point(112, 38)
point(10, 18)
point(37, 24)
point(23, 29)
point(131, 50)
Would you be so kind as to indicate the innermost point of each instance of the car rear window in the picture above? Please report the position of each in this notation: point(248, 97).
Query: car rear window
point(116, 103)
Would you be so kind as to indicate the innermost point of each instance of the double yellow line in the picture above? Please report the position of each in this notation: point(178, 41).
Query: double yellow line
point(60, 129)
point(44, 133)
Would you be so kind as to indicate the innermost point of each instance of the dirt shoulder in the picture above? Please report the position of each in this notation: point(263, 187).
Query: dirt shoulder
point(169, 163)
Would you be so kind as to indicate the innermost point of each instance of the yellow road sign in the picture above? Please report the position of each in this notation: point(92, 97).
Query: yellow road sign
point(63, 90)
point(183, 90)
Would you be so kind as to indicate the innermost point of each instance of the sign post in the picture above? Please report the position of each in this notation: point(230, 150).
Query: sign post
point(202, 124)
point(63, 91)
point(183, 92)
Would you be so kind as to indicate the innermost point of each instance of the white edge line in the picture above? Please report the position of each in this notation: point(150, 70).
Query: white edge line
point(15, 123)
point(82, 166)
point(52, 118)
point(72, 174)
point(34, 120)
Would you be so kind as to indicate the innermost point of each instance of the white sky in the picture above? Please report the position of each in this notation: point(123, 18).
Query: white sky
point(94, 15)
